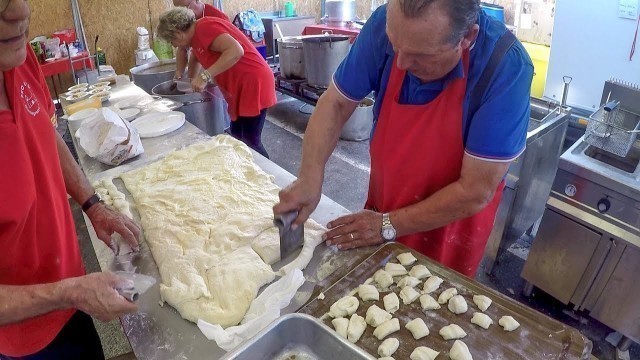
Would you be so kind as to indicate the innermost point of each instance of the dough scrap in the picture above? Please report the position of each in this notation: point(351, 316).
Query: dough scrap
point(432, 284)
point(406, 259)
point(458, 305)
point(391, 302)
point(383, 278)
point(376, 316)
point(408, 281)
point(368, 293)
point(508, 323)
point(482, 302)
point(427, 302)
point(357, 326)
point(395, 269)
point(341, 325)
point(388, 347)
point(409, 295)
point(460, 351)
point(198, 206)
point(482, 320)
point(387, 328)
point(344, 307)
point(420, 272)
point(423, 353)
point(418, 328)
point(452, 332)
point(446, 295)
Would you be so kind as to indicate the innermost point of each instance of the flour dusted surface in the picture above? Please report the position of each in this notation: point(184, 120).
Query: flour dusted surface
point(206, 212)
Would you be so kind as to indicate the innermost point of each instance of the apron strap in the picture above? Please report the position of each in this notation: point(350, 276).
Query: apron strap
point(505, 42)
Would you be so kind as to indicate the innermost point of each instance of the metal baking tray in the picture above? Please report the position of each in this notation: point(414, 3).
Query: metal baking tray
point(539, 336)
point(300, 337)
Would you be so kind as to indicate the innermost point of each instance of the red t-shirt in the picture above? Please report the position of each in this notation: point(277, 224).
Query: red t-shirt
point(249, 85)
point(210, 10)
point(37, 233)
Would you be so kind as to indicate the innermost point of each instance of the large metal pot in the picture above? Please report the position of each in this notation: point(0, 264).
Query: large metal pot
point(339, 12)
point(291, 57)
point(149, 75)
point(322, 56)
point(206, 110)
point(359, 125)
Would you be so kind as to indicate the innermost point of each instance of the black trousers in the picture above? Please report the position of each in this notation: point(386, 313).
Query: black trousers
point(249, 131)
point(78, 340)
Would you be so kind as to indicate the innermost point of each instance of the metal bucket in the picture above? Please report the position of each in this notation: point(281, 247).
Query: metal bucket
point(339, 12)
point(322, 56)
point(149, 75)
point(359, 125)
point(291, 58)
point(206, 110)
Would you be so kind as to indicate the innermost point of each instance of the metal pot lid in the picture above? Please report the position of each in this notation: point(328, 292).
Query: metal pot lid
point(325, 38)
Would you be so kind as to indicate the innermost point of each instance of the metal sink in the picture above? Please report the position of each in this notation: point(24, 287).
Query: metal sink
point(627, 164)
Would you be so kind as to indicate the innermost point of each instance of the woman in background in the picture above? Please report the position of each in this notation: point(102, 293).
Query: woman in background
point(230, 61)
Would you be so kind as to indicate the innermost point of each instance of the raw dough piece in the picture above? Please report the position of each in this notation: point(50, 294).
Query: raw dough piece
point(409, 295)
point(387, 328)
point(383, 278)
point(428, 302)
point(321, 296)
point(341, 325)
point(406, 259)
point(418, 328)
point(395, 269)
point(368, 293)
point(508, 323)
point(458, 305)
point(376, 316)
point(198, 206)
point(446, 295)
point(344, 307)
point(391, 302)
point(357, 326)
point(460, 351)
point(482, 302)
point(432, 284)
point(482, 320)
point(388, 347)
point(107, 200)
point(419, 272)
point(408, 281)
point(452, 332)
point(423, 353)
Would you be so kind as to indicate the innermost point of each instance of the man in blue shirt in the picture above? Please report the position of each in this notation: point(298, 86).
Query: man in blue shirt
point(439, 149)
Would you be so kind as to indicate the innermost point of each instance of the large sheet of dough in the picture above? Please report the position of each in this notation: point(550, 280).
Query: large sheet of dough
point(206, 213)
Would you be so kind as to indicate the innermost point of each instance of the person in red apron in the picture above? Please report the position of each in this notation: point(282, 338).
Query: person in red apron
point(46, 300)
point(230, 61)
point(437, 163)
point(183, 60)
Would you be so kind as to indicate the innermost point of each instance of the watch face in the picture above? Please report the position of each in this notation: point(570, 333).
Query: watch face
point(389, 233)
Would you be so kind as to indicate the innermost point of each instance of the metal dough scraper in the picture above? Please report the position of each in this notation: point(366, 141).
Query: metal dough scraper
point(290, 239)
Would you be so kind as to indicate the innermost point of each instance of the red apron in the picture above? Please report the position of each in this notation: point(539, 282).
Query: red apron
point(416, 151)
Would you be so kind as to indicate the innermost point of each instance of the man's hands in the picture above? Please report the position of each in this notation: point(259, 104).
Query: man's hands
point(355, 230)
point(107, 221)
point(96, 295)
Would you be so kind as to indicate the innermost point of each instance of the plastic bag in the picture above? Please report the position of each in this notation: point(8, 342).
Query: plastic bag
point(109, 139)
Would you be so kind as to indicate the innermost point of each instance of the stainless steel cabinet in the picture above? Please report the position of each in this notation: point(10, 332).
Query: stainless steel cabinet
point(560, 255)
point(290, 26)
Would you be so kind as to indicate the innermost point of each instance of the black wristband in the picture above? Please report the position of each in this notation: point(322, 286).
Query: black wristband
point(94, 199)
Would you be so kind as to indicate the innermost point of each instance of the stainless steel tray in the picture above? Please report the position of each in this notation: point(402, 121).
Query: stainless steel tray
point(297, 336)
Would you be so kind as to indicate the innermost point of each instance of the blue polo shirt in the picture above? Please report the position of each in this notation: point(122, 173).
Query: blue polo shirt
point(498, 129)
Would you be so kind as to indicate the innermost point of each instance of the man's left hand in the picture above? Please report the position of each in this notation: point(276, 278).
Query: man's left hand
point(107, 221)
point(355, 230)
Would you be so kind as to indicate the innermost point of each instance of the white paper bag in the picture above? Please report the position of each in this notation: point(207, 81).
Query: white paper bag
point(109, 139)
point(263, 310)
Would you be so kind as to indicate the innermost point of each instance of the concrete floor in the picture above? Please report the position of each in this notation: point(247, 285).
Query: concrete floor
point(346, 181)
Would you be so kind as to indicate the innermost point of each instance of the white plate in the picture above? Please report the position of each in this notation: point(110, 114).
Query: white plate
point(129, 114)
point(83, 115)
point(158, 123)
point(82, 86)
